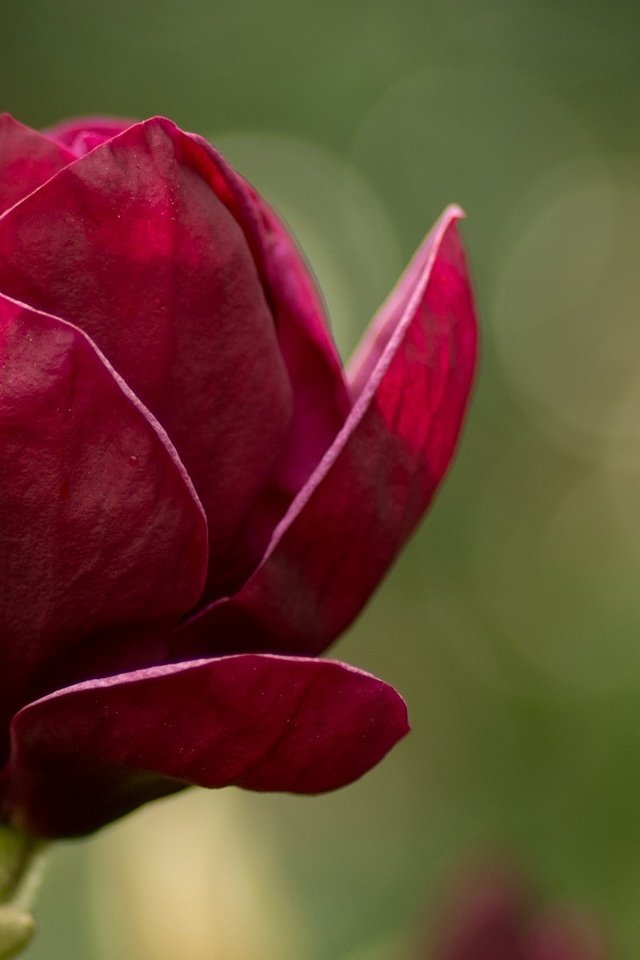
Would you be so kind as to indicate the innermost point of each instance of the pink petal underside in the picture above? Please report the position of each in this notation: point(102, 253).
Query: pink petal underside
point(358, 508)
point(132, 244)
point(101, 526)
point(27, 160)
point(84, 133)
point(320, 396)
point(92, 752)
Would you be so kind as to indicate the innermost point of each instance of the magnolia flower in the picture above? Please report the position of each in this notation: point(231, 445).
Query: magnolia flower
point(195, 497)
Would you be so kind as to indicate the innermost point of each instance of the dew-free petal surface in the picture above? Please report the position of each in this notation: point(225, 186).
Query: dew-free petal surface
point(314, 365)
point(84, 133)
point(376, 480)
point(132, 244)
point(92, 752)
point(27, 160)
point(100, 524)
point(320, 397)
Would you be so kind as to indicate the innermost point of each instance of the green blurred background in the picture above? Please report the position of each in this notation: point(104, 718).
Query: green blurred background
point(512, 622)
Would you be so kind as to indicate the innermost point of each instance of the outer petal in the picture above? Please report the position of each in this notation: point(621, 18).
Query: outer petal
point(383, 326)
point(100, 524)
point(84, 133)
point(27, 160)
point(132, 243)
point(346, 526)
point(321, 400)
point(90, 753)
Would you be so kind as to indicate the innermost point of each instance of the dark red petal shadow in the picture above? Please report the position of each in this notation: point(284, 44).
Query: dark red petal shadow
point(88, 754)
point(132, 244)
point(27, 160)
point(100, 524)
point(375, 482)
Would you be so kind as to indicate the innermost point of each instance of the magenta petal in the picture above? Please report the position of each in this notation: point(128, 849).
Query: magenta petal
point(84, 133)
point(321, 400)
point(132, 244)
point(375, 482)
point(94, 751)
point(101, 527)
point(27, 160)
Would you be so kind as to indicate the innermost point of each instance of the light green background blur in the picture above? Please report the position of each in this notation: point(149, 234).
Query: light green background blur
point(512, 622)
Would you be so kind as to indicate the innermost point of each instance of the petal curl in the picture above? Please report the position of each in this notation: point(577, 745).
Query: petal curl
point(133, 245)
point(376, 480)
point(90, 753)
point(27, 160)
point(101, 526)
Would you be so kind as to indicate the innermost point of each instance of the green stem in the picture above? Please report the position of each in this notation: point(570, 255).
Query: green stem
point(21, 861)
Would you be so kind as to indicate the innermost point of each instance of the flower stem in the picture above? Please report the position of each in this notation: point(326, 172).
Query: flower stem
point(21, 862)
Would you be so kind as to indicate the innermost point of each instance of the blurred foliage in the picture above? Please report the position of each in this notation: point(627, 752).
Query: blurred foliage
point(512, 623)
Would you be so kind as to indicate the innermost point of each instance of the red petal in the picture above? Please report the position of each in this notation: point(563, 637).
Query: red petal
point(90, 753)
point(84, 133)
point(133, 245)
point(100, 524)
point(377, 479)
point(27, 160)
point(321, 401)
